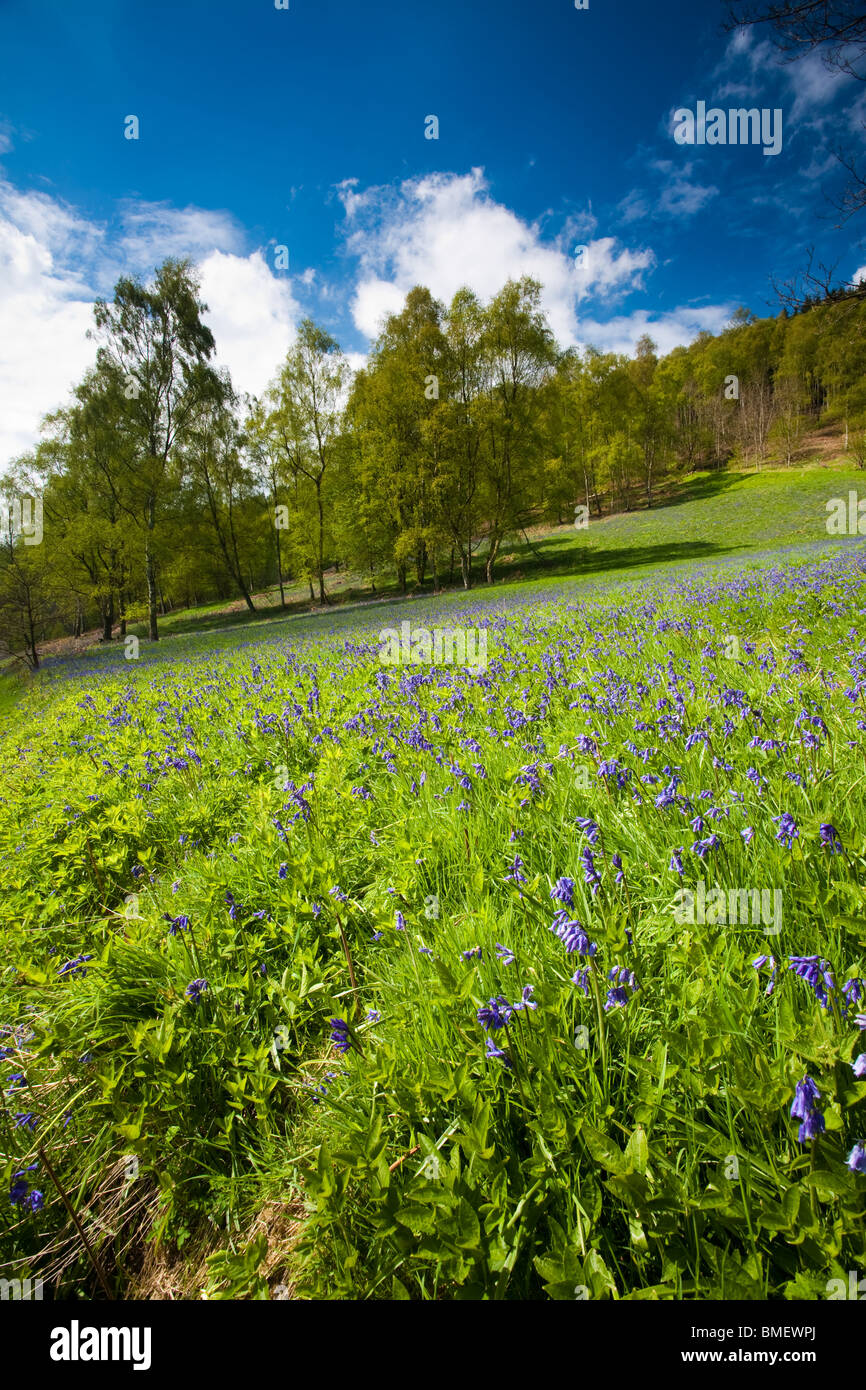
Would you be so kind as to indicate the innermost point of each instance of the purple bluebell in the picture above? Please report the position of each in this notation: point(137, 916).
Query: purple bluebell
point(195, 989)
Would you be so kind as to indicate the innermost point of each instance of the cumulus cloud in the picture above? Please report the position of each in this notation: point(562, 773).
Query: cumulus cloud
point(252, 315)
point(54, 262)
point(45, 311)
point(673, 329)
point(446, 231)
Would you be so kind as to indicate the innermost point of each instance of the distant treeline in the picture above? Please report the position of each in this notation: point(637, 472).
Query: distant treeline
point(162, 488)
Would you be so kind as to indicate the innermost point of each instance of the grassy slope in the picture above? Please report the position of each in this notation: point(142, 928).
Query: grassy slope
point(706, 516)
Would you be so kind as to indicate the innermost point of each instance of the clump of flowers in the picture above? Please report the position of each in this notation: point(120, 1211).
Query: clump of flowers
point(805, 1110)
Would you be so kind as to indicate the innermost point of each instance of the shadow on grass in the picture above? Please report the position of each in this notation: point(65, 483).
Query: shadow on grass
point(597, 560)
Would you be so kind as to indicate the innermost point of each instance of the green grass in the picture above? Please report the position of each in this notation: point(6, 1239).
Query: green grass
point(640, 1151)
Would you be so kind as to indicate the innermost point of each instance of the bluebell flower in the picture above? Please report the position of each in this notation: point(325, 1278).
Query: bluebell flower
point(195, 989)
point(830, 839)
point(589, 828)
point(495, 1013)
point(494, 1051)
point(524, 1001)
point(858, 1066)
point(616, 998)
point(505, 954)
point(581, 979)
point(340, 1034)
point(805, 1095)
point(787, 832)
point(563, 891)
point(857, 1159)
point(676, 864)
point(812, 1126)
point(399, 921)
point(514, 874)
point(759, 964)
point(590, 873)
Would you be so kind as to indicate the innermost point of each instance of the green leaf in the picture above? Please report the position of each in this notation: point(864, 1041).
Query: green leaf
point(604, 1150)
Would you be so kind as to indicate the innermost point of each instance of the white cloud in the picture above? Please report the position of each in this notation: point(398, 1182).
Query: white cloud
point(674, 329)
point(252, 315)
point(152, 231)
point(445, 231)
point(45, 311)
point(54, 262)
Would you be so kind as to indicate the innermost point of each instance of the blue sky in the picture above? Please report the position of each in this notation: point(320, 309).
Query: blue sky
point(305, 128)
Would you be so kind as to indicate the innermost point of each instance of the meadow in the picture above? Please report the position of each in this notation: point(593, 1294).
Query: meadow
point(326, 979)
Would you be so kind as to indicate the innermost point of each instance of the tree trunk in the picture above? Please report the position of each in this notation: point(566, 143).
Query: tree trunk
point(108, 618)
point(153, 630)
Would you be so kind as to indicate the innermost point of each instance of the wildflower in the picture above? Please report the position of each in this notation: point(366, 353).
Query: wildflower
point(495, 1014)
point(787, 832)
point(563, 891)
point(399, 921)
point(858, 1066)
point(18, 1189)
point(377, 935)
point(425, 951)
point(472, 953)
point(283, 871)
point(816, 974)
point(514, 874)
point(616, 998)
point(340, 1034)
point(676, 864)
point(702, 847)
point(36, 1201)
point(590, 873)
point(581, 979)
point(616, 861)
point(504, 954)
point(494, 1051)
point(75, 967)
point(830, 839)
point(337, 892)
point(572, 935)
point(589, 828)
point(857, 1159)
point(195, 989)
point(759, 963)
point(178, 924)
point(25, 1120)
point(373, 1016)
point(524, 1001)
point(748, 834)
point(805, 1095)
point(812, 1126)
point(803, 1108)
